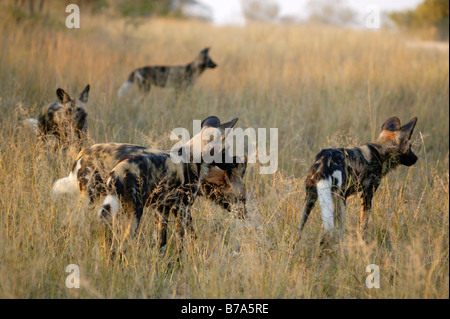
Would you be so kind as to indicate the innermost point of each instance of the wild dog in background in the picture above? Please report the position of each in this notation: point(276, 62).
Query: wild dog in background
point(93, 164)
point(341, 172)
point(67, 117)
point(178, 77)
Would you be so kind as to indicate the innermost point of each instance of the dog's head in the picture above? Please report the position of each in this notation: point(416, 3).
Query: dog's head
point(224, 179)
point(75, 108)
point(225, 185)
point(395, 140)
point(210, 140)
point(204, 61)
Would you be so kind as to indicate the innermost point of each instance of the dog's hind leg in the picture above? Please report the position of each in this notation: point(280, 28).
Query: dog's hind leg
point(340, 215)
point(146, 87)
point(162, 218)
point(308, 205)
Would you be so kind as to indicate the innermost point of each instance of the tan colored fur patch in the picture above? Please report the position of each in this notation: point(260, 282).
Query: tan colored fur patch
point(365, 150)
point(387, 136)
point(215, 176)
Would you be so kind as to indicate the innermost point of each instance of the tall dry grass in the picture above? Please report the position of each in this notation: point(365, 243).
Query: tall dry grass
point(319, 86)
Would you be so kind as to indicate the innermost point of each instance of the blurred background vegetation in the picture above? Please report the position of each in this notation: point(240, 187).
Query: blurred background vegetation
point(322, 86)
point(429, 21)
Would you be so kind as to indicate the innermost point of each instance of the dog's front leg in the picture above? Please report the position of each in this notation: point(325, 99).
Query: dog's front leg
point(366, 205)
point(162, 217)
point(184, 223)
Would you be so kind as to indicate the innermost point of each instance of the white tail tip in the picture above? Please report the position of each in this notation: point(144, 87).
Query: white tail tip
point(31, 123)
point(124, 89)
point(66, 185)
point(110, 207)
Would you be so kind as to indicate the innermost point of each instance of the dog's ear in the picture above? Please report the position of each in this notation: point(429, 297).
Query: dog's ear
point(205, 51)
point(211, 121)
point(392, 124)
point(84, 96)
point(408, 128)
point(62, 95)
point(223, 127)
point(229, 124)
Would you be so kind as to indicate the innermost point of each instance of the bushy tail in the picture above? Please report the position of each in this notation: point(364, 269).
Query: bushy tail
point(126, 86)
point(109, 208)
point(67, 185)
point(325, 197)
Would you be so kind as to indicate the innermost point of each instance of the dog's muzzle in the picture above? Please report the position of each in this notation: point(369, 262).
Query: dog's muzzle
point(408, 159)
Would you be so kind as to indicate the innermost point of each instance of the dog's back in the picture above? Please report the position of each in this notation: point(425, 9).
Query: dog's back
point(152, 176)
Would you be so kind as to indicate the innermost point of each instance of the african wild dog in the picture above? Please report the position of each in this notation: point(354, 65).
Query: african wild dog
point(62, 119)
point(90, 170)
point(339, 173)
point(150, 177)
point(154, 179)
point(178, 77)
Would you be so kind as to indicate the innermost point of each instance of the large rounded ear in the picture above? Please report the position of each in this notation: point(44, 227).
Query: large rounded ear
point(211, 121)
point(205, 51)
point(84, 96)
point(62, 95)
point(229, 124)
point(408, 128)
point(392, 124)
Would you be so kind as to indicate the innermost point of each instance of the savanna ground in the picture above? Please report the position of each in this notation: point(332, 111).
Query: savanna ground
point(320, 86)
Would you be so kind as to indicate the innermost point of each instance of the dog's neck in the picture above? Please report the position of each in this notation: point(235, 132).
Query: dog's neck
point(194, 172)
point(195, 68)
point(381, 158)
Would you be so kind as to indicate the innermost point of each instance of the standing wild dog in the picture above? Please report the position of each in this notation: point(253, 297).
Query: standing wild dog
point(93, 164)
point(341, 172)
point(155, 179)
point(64, 118)
point(178, 77)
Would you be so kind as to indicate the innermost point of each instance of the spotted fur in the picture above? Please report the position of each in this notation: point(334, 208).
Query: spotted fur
point(178, 77)
point(225, 187)
point(153, 179)
point(341, 172)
